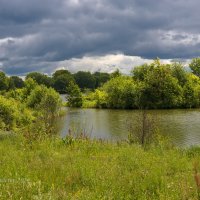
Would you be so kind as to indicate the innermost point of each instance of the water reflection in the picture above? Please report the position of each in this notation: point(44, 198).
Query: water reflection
point(181, 125)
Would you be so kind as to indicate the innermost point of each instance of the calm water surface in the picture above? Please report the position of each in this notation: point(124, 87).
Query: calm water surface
point(183, 126)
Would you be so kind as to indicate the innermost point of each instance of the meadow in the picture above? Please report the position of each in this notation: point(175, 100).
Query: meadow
point(82, 168)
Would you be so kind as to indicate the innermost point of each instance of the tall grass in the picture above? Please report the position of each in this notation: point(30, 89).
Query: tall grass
point(87, 169)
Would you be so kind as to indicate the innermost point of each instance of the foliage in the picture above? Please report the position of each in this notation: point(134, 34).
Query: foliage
point(139, 73)
point(100, 97)
point(30, 84)
point(142, 129)
point(179, 73)
point(40, 79)
point(8, 114)
point(20, 108)
point(13, 114)
point(17, 94)
point(62, 80)
point(121, 92)
point(4, 81)
point(74, 97)
point(45, 100)
point(15, 82)
point(101, 78)
point(195, 66)
point(61, 72)
point(115, 74)
point(85, 80)
point(154, 85)
point(191, 92)
point(161, 88)
point(51, 103)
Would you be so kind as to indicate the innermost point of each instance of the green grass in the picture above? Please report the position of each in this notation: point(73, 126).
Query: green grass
point(85, 169)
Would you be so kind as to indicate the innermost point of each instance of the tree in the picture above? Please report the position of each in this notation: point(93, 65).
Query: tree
point(142, 129)
point(121, 92)
point(61, 80)
point(74, 97)
point(44, 99)
point(100, 98)
point(85, 80)
point(61, 72)
point(179, 72)
point(115, 74)
point(195, 66)
point(41, 79)
point(191, 92)
point(161, 88)
point(101, 78)
point(139, 73)
point(4, 81)
point(15, 82)
point(30, 84)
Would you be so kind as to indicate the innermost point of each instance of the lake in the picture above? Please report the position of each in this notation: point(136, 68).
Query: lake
point(182, 126)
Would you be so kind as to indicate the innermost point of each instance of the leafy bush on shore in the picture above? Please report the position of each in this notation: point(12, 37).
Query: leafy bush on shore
point(152, 86)
point(13, 114)
point(20, 107)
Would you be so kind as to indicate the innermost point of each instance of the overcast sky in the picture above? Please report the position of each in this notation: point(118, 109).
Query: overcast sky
point(45, 35)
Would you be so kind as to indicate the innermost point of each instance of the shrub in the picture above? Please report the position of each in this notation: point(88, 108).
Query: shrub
point(75, 98)
point(8, 113)
point(100, 98)
point(13, 114)
point(44, 99)
point(121, 92)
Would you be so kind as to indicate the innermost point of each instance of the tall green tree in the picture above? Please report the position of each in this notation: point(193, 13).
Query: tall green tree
point(15, 82)
point(101, 78)
point(61, 80)
point(115, 74)
point(121, 92)
point(161, 89)
point(85, 80)
point(191, 92)
point(4, 81)
point(74, 97)
point(195, 66)
point(61, 72)
point(139, 73)
point(41, 79)
point(179, 72)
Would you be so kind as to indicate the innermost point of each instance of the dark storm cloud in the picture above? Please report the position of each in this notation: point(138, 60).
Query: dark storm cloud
point(36, 35)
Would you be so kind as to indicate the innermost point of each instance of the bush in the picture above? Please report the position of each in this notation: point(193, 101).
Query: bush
point(74, 98)
point(121, 92)
point(8, 113)
point(45, 100)
point(51, 102)
point(13, 114)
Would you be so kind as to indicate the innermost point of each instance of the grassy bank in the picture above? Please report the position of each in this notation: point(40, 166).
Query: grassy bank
point(85, 169)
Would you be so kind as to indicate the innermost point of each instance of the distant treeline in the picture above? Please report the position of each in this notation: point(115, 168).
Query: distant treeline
point(59, 80)
point(149, 86)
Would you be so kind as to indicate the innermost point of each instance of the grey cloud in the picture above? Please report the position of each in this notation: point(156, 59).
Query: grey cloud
point(35, 35)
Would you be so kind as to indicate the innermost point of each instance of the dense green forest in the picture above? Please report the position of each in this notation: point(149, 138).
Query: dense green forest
point(150, 86)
